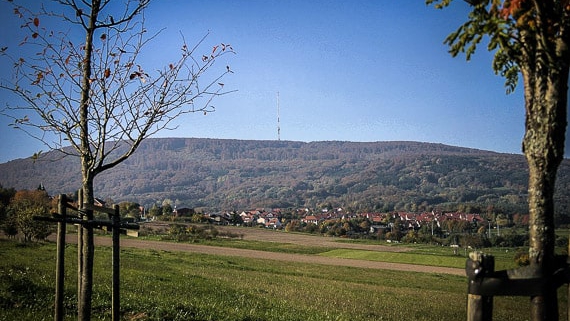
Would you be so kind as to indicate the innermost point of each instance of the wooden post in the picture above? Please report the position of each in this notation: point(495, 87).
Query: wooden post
point(60, 260)
point(116, 265)
point(479, 307)
point(62, 219)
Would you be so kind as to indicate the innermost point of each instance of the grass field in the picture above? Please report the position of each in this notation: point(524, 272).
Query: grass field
point(164, 285)
point(424, 255)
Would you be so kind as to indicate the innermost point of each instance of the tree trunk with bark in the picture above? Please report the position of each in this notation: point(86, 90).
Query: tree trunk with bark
point(87, 258)
point(545, 73)
point(88, 174)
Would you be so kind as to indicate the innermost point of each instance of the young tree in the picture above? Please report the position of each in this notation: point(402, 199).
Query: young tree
point(92, 92)
point(531, 38)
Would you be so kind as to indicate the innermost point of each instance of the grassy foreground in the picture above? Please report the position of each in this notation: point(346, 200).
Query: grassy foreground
point(163, 285)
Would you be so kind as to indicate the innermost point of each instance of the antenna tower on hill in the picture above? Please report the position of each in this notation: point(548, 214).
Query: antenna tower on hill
point(278, 122)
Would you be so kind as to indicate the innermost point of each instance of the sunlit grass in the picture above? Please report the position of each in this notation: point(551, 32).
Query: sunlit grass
point(431, 256)
point(408, 258)
point(164, 285)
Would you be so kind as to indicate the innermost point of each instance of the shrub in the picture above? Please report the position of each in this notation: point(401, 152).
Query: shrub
point(521, 258)
point(178, 232)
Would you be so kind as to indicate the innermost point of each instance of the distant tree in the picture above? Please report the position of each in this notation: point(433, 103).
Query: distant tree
point(502, 220)
point(24, 206)
point(10, 226)
point(381, 235)
point(473, 241)
point(154, 211)
point(199, 218)
point(167, 210)
point(93, 93)
point(235, 219)
point(364, 225)
point(292, 226)
point(323, 227)
point(30, 228)
point(517, 219)
point(410, 237)
point(396, 232)
point(457, 226)
point(6, 194)
point(311, 228)
point(130, 209)
point(530, 37)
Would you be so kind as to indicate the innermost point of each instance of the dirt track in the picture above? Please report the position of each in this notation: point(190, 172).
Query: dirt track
point(277, 236)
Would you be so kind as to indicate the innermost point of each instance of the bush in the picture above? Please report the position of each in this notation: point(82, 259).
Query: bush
point(521, 258)
point(476, 241)
point(178, 232)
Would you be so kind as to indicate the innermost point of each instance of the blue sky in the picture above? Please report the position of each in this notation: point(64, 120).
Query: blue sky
point(345, 70)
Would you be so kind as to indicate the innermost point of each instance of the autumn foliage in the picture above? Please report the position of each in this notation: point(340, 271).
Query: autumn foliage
point(530, 38)
point(511, 8)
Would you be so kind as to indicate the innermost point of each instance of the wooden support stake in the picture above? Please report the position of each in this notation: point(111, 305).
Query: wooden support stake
point(116, 264)
point(479, 307)
point(82, 223)
point(79, 252)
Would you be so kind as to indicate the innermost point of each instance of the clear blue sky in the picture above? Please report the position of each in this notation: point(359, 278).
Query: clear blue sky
point(345, 70)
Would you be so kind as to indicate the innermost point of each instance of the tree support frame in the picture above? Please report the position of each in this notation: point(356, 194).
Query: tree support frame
point(115, 225)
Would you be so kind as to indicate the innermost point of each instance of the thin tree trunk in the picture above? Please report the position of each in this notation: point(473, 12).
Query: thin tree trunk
point(87, 256)
point(79, 256)
point(87, 165)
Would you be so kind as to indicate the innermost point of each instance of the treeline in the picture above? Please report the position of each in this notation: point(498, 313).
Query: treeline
point(221, 175)
point(461, 234)
point(19, 207)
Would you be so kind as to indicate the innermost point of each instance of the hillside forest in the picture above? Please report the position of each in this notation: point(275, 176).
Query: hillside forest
point(232, 175)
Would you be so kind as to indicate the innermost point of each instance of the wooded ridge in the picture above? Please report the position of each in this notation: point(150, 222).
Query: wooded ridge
point(221, 174)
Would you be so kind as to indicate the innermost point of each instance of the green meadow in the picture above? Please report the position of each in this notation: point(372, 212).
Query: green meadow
point(166, 285)
point(426, 255)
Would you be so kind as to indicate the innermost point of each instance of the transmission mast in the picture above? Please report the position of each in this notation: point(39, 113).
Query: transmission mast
point(278, 121)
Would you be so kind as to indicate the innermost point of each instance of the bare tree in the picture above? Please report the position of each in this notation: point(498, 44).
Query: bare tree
point(95, 95)
point(531, 38)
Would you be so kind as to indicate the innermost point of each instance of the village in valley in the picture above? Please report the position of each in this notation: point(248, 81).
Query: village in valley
point(446, 228)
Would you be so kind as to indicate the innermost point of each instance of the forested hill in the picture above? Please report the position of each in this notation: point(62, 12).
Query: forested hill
point(239, 174)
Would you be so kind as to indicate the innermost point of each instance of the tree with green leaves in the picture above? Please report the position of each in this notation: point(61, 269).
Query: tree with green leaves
point(130, 209)
point(6, 194)
point(167, 209)
point(82, 83)
point(23, 207)
point(529, 38)
point(154, 211)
